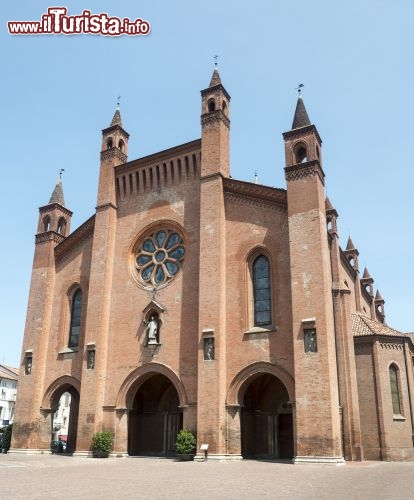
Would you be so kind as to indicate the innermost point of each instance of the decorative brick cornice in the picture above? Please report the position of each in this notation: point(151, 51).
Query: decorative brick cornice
point(192, 147)
point(216, 89)
point(214, 117)
point(256, 194)
point(304, 170)
point(55, 206)
point(49, 236)
point(114, 153)
point(108, 130)
point(83, 231)
point(391, 346)
point(300, 132)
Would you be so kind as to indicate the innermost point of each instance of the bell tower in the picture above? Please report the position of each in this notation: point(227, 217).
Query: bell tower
point(215, 128)
point(114, 152)
point(53, 227)
point(317, 411)
point(215, 123)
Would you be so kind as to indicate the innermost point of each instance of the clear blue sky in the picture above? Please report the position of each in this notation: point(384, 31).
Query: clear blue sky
point(355, 59)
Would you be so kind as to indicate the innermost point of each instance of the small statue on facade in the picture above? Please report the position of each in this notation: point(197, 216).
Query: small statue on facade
point(152, 330)
point(28, 365)
point(90, 362)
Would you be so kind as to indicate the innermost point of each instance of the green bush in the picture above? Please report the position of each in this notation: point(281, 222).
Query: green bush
point(102, 443)
point(186, 442)
point(7, 434)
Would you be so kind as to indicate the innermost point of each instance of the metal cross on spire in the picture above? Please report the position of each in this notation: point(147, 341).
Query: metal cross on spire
point(117, 102)
point(61, 172)
point(215, 60)
point(299, 88)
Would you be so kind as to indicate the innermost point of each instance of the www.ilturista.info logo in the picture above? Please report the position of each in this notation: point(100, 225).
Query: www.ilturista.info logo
point(57, 22)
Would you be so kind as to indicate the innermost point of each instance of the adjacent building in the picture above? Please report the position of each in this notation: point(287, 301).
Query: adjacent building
point(9, 377)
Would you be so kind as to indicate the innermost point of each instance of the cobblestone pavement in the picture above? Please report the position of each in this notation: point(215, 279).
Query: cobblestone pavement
point(63, 477)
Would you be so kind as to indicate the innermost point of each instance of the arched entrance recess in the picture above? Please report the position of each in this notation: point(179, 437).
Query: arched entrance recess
point(51, 401)
point(263, 392)
point(266, 420)
point(154, 416)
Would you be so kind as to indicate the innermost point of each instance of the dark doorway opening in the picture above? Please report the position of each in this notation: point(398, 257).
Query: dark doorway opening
point(266, 420)
point(154, 419)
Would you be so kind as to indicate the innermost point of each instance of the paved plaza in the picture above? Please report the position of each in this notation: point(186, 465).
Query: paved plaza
point(64, 477)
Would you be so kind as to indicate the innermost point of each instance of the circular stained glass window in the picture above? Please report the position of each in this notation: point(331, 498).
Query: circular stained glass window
point(159, 257)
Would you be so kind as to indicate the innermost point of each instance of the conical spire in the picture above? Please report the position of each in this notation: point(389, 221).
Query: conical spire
point(366, 275)
point(215, 79)
point(57, 195)
point(378, 297)
point(116, 120)
point(350, 245)
point(301, 118)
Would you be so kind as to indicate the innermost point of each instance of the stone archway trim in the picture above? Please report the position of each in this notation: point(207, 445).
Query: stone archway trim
point(54, 386)
point(141, 372)
point(260, 367)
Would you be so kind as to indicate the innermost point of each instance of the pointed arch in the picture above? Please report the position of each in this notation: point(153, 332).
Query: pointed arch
point(138, 376)
point(240, 382)
point(57, 388)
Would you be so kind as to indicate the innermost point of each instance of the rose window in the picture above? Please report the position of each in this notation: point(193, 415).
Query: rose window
point(159, 257)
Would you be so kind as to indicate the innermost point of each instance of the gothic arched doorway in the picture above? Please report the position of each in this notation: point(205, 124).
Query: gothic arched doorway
point(266, 419)
point(155, 418)
point(65, 409)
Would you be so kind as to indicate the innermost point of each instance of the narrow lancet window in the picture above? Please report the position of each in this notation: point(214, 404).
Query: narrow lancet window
point(75, 319)
point(395, 391)
point(261, 291)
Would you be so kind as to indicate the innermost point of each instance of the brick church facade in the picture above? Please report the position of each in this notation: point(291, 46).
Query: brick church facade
point(194, 300)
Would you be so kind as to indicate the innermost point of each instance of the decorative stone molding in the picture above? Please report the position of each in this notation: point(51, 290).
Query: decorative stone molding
point(214, 117)
point(114, 153)
point(391, 346)
point(304, 170)
point(49, 236)
point(248, 192)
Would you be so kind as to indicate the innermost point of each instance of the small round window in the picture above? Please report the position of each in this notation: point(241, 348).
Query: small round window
point(159, 257)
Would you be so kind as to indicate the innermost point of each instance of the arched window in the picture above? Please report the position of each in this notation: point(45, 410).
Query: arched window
point(261, 291)
point(224, 107)
point(395, 390)
point(121, 145)
point(61, 226)
point(301, 153)
point(75, 318)
point(109, 143)
point(46, 223)
point(211, 105)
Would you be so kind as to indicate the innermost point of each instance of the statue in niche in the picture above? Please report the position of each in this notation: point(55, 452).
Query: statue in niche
point(209, 348)
point(28, 365)
point(152, 330)
point(90, 362)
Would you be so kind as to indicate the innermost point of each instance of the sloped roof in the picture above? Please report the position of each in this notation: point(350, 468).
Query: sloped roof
point(363, 326)
point(301, 118)
point(215, 78)
point(9, 372)
point(57, 195)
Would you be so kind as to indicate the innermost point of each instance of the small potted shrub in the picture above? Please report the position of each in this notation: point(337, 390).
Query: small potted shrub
point(185, 445)
point(7, 434)
point(102, 443)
